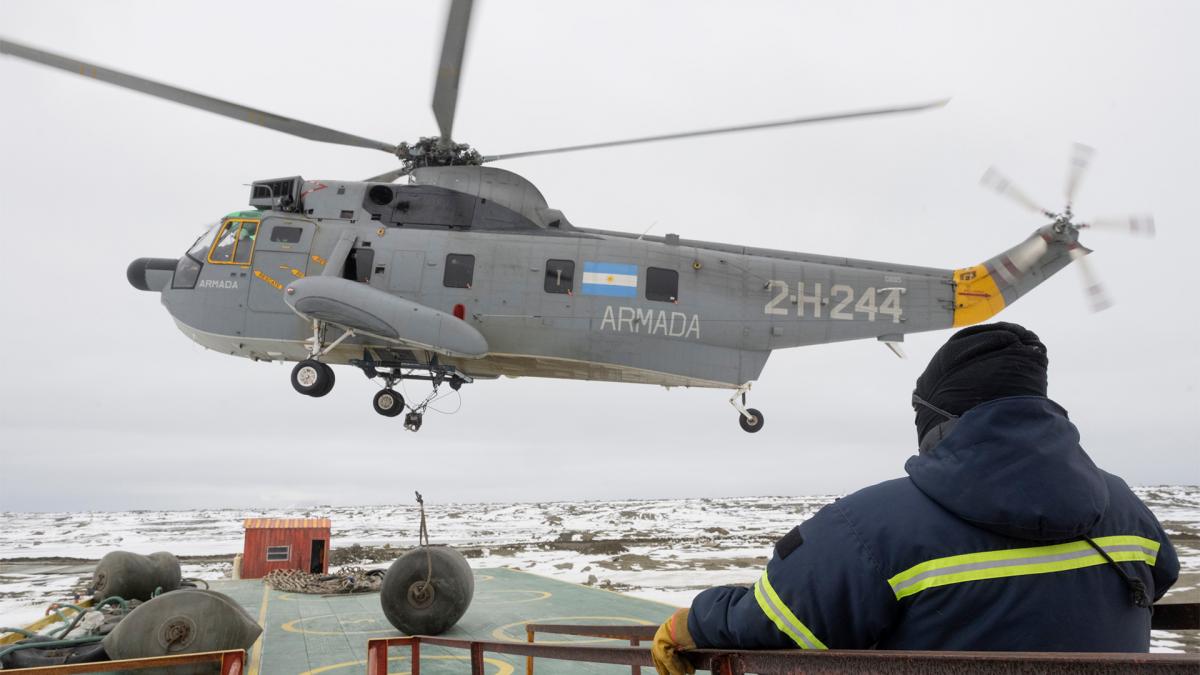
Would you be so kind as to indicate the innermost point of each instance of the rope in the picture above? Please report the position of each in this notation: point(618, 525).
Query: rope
point(423, 540)
point(349, 580)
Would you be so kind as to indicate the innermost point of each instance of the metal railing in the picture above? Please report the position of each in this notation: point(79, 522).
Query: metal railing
point(771, 662)
point(233, 662)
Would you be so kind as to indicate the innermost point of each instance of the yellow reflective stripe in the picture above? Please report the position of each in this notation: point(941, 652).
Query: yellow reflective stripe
point(1021, 561)
point(783, 618)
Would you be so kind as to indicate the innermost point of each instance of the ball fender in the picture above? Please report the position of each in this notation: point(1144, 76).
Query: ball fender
point(135, 577)
point(416, 609)
point(187, 621)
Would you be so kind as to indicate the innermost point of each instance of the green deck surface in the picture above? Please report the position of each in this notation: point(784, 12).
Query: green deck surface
point(310, 634)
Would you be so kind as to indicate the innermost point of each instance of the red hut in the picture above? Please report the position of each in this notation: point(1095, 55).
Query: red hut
point(285, 544)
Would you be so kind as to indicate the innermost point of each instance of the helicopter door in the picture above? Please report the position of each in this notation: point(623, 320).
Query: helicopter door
point(280, 257)
point(404, 276)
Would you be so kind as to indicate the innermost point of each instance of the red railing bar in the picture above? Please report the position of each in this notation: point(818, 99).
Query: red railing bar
point(614, 632)
point(724, 662)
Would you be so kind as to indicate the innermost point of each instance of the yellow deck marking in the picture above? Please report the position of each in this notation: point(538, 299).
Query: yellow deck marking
point(292, 626)
point(502, 634)
point(537, 595)
point(597, 588)
point(256, 655)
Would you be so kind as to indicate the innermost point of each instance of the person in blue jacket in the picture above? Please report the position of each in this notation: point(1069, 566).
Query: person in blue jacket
point(1004, 536)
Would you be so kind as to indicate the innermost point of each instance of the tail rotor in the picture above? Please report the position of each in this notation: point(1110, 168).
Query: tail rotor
point(1027, 254)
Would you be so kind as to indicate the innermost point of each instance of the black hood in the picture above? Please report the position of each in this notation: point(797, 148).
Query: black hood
point(1014, 466)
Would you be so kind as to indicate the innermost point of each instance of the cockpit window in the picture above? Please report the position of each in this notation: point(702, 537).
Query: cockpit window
point(235, 243)
point(199, 250)
point(246, 237)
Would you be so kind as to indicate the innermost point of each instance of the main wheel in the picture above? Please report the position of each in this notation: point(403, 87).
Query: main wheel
point(312, 378)
point(752, 425)
point(329, 383)
point(388, 403)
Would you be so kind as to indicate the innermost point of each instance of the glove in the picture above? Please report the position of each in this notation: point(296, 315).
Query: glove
point(673, 637)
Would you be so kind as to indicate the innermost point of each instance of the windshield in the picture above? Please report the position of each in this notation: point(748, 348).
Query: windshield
point(199, 250)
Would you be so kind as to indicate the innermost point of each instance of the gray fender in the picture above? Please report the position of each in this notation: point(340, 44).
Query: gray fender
point(364, 308)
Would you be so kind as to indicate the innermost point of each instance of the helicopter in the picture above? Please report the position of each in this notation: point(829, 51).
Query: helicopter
point(465, 272)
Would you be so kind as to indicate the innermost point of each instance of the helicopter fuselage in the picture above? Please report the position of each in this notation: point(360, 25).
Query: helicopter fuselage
point(550, 299)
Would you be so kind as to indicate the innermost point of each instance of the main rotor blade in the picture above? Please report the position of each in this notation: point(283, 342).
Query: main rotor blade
point(190, 98)
point(1141, 225)
point(873, 112)
point(1081, 158)
point(454, 45)
point(1097, 297)
point(998, 182)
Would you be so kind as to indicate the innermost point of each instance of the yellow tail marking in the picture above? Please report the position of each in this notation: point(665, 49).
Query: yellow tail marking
point(976, 296)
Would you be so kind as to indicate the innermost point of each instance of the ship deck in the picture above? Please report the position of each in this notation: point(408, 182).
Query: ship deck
point(311, 634)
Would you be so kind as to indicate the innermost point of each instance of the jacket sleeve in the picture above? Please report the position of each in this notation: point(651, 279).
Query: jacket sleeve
point(1166, 566)
point(822, 589)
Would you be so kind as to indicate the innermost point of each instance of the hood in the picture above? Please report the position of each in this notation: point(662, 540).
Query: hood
point(1014, 466)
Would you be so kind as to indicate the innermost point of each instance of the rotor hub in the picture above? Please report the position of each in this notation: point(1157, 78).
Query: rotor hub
point(432, 151)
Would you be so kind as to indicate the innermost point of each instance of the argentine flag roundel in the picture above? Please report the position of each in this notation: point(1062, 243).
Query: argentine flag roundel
point(612, 279)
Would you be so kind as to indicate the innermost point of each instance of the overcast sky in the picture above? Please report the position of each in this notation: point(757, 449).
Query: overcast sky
point(106, 405)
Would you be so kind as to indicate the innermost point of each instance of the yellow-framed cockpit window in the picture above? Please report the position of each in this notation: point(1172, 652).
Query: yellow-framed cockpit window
point(234, 244)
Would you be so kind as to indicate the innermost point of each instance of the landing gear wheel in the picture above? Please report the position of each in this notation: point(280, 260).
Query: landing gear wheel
point(312, 378)
point(388, 403)
point(329, 382)
point(752, 425)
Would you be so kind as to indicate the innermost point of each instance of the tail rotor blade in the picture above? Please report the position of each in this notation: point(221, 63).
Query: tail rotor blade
point(1001, 184)
point(1081, 158)
point(1097, 296)
point(1139, 225)
point(454, 45)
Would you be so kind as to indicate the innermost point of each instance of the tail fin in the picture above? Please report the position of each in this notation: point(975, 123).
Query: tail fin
point(982, 291)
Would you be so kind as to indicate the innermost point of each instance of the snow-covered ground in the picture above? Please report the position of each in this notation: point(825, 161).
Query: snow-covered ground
point(665, 550)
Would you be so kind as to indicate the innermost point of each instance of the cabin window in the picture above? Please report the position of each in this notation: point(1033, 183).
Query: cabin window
point(235, 243)
point(560, 276)
point(276, 553)
point(460, 271)
point(285, 234)
point(662, 284)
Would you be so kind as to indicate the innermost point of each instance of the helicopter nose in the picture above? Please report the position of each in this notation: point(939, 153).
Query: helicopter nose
point(151, 274)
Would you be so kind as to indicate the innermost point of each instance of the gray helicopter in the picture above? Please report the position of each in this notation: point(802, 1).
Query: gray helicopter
point(467, 273)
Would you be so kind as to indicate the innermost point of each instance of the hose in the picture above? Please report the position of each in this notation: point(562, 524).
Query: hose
point(68, 605)
point(22, 631)
point(70, 627)
point(112, 598)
